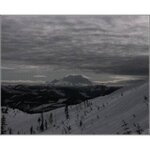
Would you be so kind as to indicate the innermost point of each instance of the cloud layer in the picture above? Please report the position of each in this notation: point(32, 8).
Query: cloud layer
point(52, 46)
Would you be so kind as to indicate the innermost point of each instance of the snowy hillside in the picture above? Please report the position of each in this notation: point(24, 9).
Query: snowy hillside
point(123, 112)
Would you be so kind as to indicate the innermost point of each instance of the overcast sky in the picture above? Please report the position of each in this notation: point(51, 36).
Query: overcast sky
point(111, 49)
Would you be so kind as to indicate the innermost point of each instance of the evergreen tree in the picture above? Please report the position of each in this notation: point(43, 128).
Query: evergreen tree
point(121, 94)
point(39, 120)
point(45, 124)
point(145, 97)
point(31, 130)
point(139, 130)
point(51, 118)
point(80, 123)
point(42, 122)
point(10, 131)
point(66, 112)
point(3, 125)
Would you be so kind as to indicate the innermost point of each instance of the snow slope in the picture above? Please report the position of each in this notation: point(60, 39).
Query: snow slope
point(123, 112)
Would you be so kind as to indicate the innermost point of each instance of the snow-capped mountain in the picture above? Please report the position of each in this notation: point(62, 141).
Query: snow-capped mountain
point(72, 80)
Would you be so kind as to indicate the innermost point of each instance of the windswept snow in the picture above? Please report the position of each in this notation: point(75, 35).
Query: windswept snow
point(123, 112)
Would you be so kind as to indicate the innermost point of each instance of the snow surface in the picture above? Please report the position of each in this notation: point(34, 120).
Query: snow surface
point(124, 111)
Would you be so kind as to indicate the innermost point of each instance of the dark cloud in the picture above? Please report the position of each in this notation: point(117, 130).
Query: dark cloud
point(112, 45)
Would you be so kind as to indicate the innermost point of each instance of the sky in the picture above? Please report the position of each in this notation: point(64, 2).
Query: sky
point(107, 49)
